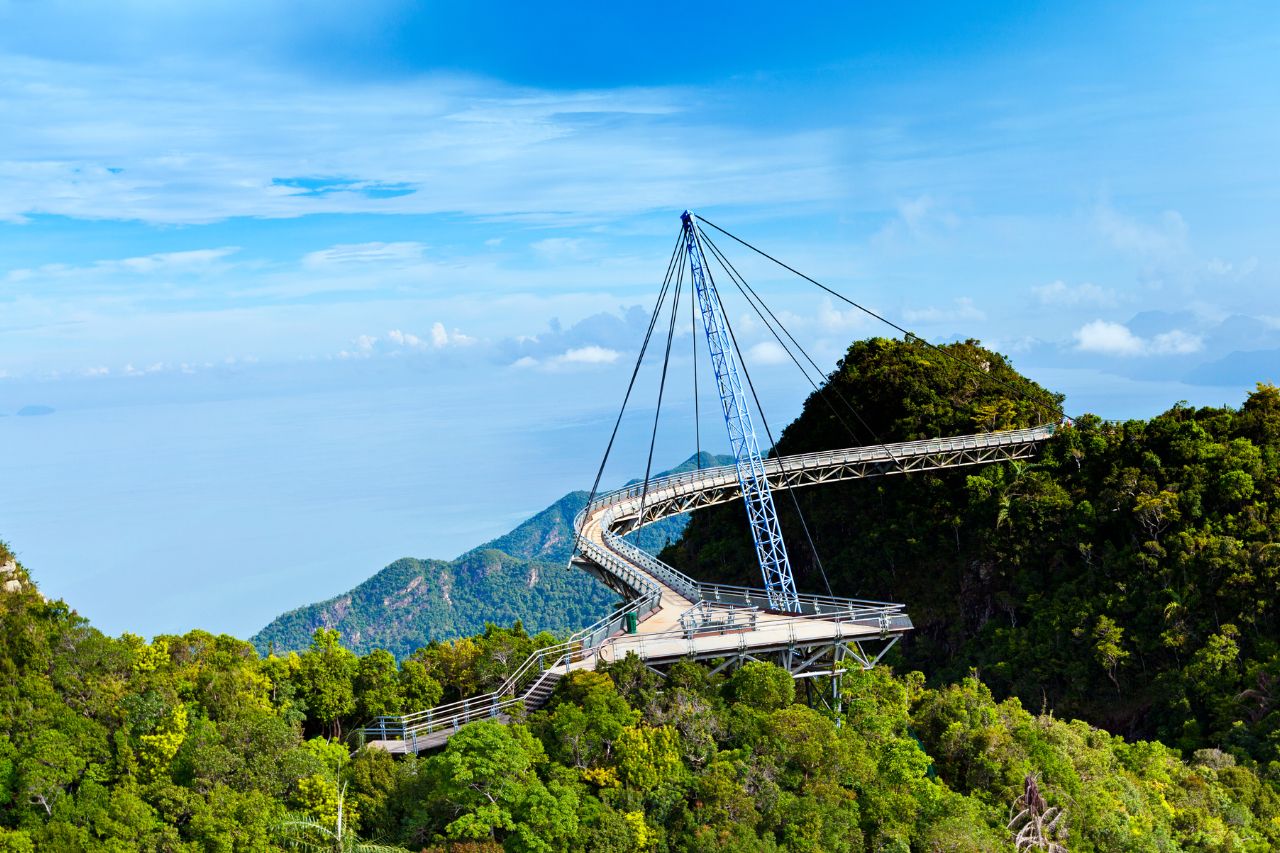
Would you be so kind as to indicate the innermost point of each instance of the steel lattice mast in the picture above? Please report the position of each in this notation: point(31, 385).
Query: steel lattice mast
point(771, 551)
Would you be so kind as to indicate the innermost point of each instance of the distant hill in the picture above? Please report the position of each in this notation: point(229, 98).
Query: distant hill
point(520, 575)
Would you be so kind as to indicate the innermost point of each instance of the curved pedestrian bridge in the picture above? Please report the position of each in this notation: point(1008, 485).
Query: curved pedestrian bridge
point(669, 616)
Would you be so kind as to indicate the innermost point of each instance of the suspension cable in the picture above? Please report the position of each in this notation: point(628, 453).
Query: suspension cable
point(973, 367)
point(697, 233)
point(653, 320)
point(662, 385)
point(752, 297)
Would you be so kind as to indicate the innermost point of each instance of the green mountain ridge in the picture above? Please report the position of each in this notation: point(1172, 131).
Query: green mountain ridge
point(520, 576)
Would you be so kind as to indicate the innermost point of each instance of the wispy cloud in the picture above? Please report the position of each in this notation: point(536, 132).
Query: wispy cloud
point(1162, 239)
point(1085, 293)
point(195, 262)
point(961, 308)
point(364, 254)
point(200, 144)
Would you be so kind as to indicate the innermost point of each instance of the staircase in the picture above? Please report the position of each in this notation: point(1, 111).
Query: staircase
point(540, 691)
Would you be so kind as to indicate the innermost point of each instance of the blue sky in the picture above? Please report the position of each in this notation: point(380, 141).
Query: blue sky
point(227, 202)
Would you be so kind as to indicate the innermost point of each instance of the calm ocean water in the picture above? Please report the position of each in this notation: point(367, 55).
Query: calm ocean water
point(157, 505)
point(160, 516)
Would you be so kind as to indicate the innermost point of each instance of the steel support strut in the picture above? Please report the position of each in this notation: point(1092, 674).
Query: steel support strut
point(775, 566)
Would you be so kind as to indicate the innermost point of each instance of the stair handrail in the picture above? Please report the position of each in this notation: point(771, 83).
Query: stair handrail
point(579, 644)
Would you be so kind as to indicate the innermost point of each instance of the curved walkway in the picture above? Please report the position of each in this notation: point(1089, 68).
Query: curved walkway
point(669, 615)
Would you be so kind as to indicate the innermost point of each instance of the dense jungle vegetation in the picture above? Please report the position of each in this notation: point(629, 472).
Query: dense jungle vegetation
point(1126, 576)
point(195, 743)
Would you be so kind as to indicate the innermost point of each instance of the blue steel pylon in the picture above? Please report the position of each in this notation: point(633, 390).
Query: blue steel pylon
point(771, 551)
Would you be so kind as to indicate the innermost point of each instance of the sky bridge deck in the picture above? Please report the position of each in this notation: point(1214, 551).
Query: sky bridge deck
point(669, 616)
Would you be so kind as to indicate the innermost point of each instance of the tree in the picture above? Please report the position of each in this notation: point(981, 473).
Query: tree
point(762, 686)
point(307, 832)
point(377, 685)
point(1035, 824)
point(418, 689)
point(325, 674)
point(50, 766)
point(487, 788)
point(648, 756)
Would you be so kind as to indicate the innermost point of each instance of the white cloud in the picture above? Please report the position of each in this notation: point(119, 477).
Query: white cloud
point(1107, 338)
point(832, 319)
point(588, 355)
point(1061, 293)
point(130, 370)
point(405, 339)
point(1176, 342)
point(767, 352)
point(438, 338)
point(962, 308)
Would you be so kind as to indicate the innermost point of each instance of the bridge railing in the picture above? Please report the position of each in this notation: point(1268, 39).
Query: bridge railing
point(704, 618)
point(823, 606)
point(910, 449)
point(672, 577)
point(615, 561)
point(766, 629)
point(874, 452)
point(580, 644)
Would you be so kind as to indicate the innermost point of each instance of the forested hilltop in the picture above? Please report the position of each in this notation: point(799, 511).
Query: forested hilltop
point(1128, 575)
point(196, 743)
